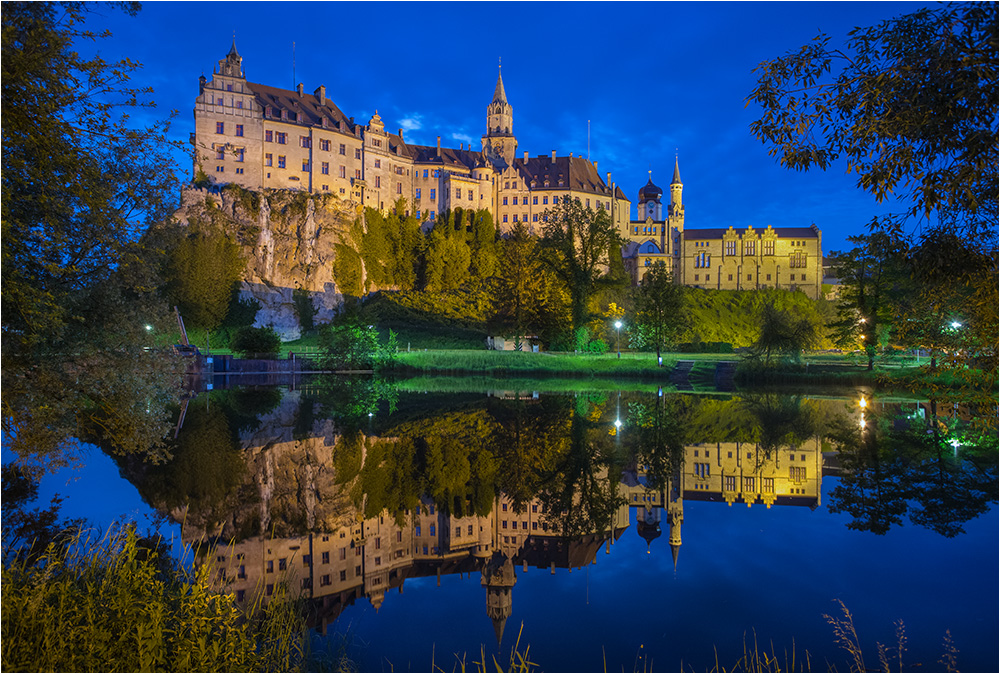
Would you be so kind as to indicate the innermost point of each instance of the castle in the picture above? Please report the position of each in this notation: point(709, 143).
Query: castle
point(262, 137)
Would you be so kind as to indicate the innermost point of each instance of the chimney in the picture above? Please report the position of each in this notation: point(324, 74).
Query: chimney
point(321, 94)
point(553, 156)
point(608, 182)
point(301, 88)
point(570, 155)
point(595, 165)
point(201, 84)
point(401, 135)
point(439, 146)
point(526, 157)
point(461, 146)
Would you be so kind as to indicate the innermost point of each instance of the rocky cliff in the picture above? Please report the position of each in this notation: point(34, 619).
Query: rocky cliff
point(289, 242)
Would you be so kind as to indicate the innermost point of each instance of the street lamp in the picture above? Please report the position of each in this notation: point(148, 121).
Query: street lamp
point(618, 337)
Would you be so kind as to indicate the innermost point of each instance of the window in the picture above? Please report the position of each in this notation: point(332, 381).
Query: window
point(515, 201)
point(515, 217)
point(695, 276)
point(432, 215)
point(555, 200)
point(378, 182)
point(545, 200)
point(220, 127)
point(378, 163)
point(281, 161)
point(343, 172)
point(730, 248)
point(470, 195)
point(239, 129)
point(470, 529)
point(534, 217)
point(325, 168)
point(730, 483)
point(282, 564)
point(220, 152)
point(768, 277)
point(268, 136)
point(534, 201)
point(270, 566)
point(306, 559)
point(505, 217)
point(357, 153)
point(433, 191)
point(357, 173)
point(748, 484)
point(803, 277)
point(749, 247)
point(425, 173)
point(767, 485)
point(343, 149)
point(505, 201)
point(343, 575)
point(503, 525)
point(305, 164)
point(432, 530)
point(220, 169)
point(218, 101)
point(749, 277)
point(268, 159)
point(797, 259)
point(767, 247)
point(458, 192)
point(417, 194)
point(588, 203)
point(399, 188)
point(239, 154)
point(282, 138)
point(437, 173)
point(418, 214)
point(730, 277)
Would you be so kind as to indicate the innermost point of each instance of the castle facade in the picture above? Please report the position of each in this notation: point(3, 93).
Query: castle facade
point(261, 137)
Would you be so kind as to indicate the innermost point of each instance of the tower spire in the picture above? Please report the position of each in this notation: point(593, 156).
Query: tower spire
point(499, 95)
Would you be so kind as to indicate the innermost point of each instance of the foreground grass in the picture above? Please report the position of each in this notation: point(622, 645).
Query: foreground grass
point(507, 363)
point(117, 604)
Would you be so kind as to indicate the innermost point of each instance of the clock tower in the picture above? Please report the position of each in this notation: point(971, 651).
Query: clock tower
point(499, 141)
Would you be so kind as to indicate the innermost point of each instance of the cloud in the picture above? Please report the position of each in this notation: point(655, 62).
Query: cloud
point(462, 138)
point(411, 123)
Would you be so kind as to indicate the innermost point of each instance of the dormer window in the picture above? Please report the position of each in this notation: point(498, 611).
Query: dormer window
point(284, 114)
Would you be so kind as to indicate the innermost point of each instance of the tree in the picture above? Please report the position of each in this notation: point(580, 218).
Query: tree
point(203, 268)
point(253, 342)
point(580, 243)
point(784, 333)
point(910, 103)
point(484, 246)
point(351, 346)
point(870, 282)
point(660, 315)
point(80, 183)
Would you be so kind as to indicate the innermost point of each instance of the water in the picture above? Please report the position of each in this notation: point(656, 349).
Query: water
point(394, 512)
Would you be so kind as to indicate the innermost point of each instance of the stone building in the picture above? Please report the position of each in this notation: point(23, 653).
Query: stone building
point(262, 137)
point(720, 259)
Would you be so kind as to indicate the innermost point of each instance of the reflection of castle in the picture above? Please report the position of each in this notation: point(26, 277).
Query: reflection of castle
point(730, 472)
point(370, 556)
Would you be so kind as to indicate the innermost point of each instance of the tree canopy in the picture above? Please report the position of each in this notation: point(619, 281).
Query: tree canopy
point(910, 103)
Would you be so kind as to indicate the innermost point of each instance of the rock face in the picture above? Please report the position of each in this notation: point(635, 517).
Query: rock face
point(289, 242)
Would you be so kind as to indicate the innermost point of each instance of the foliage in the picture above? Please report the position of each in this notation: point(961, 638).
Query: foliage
point(782, 333)
point(871, 282)
point(304, 308)
point(730, 316)
point(448, 257)
point(351, 346)
point(910, 103)
point(79, 184)
point(660, 315)
point(203, 268)
point(579, 244)
point(527, 300)
point(119, 604)
point(251, 342)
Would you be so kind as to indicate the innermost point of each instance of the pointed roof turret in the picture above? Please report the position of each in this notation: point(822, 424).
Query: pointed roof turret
point(499, 95)
point(232, 50)
point(677, 173)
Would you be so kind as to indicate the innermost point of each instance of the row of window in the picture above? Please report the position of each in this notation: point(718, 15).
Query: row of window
point(767, 277)
point(524, 217)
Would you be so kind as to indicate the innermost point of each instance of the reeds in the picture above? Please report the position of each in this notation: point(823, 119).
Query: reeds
point(116, 603)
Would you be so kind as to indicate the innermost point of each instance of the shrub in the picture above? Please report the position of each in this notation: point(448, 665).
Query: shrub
point(249, 341)
point(352, 346)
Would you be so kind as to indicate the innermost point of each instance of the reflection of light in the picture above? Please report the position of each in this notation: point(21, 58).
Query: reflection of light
point(862, 422)
point(862, 403)
point(149, 328)
point(956, 324)
point(618, 325)
point(618, 423)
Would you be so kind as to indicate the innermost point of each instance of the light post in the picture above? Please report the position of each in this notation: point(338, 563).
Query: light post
point(618, 337)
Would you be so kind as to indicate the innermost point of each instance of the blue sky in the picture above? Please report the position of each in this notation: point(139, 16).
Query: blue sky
point(652, 78)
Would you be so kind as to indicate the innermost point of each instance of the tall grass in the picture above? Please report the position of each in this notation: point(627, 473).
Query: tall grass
point(118, 604)
point(503, 363)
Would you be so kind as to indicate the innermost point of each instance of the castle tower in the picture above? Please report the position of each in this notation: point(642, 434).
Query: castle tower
point(675, 515)
point(499, 141)
point(232, 65)
point(676, 190)
point(650, 206)
point(499, 579)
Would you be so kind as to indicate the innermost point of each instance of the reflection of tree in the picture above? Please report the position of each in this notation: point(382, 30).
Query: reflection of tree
point(352, 400)
point(205, 474)
point(655, 438)
point(529, 439)
point(893, 467)
point(585, 482)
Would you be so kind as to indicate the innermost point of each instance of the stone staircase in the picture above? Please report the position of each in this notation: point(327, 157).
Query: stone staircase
point(725, 371)
point(679, 375)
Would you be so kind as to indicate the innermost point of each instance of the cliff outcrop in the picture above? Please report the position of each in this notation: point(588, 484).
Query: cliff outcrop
point(289, 241)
